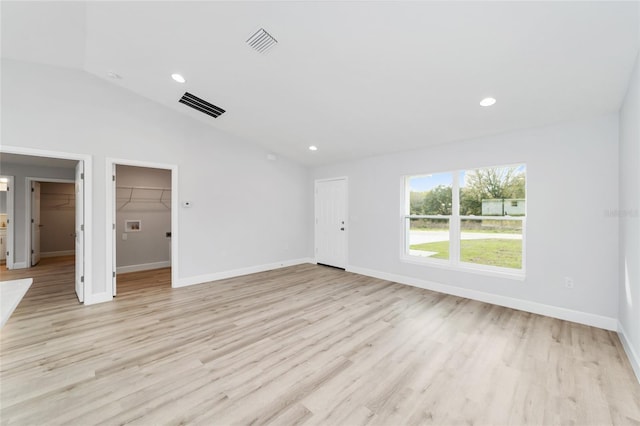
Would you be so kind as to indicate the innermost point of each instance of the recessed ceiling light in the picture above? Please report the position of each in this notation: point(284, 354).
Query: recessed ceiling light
point(179, 78)
point(313, 148)
point(114, 75)
point(487, 102)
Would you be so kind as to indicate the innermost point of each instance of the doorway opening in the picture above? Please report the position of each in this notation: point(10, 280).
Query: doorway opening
point(53, 219)
point(6, 221)
point(142, 204)
point(58, 212)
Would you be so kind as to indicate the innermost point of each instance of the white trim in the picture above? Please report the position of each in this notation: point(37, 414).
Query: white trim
point(634, 358)
point(88, 201)
point(143, 267)
point(110, 218)
point(199, 279)
point(607, 323)
point(20, 265)
point(58, 253)
point(92, 299)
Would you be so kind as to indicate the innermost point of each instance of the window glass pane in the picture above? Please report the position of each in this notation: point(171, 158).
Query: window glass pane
point(430, 194)
point(491, 242)
point(493, 191)
point(429, 238)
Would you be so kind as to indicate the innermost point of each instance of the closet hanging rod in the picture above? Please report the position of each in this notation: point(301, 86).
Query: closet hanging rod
point(150, 188)
point(131, 199)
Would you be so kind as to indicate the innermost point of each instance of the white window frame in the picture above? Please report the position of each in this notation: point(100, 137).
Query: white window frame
point(455, 221)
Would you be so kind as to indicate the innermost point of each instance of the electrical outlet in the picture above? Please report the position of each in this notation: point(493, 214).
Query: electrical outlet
point(568, 282)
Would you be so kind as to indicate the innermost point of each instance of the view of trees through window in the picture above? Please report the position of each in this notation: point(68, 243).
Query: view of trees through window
point(486, 228)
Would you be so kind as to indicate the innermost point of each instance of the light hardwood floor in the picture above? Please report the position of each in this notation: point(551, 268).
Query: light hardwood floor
point(300, 345)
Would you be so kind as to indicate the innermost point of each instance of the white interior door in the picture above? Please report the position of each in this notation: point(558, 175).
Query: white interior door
point(80, 231)
point(331, 222)
point(35, 223)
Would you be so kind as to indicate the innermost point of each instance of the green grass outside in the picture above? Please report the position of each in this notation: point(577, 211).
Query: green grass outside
point(494, 252)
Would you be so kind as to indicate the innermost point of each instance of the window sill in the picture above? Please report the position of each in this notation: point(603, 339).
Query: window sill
point(466, 267)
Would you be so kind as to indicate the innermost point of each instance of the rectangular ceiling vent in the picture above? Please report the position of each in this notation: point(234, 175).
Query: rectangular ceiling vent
point(201, 105)
point(261, 41)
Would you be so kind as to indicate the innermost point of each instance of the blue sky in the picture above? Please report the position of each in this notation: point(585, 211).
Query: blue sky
point(428, 182)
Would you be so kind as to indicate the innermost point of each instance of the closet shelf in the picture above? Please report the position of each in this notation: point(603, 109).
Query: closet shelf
point(142, 194)
point(57, 200)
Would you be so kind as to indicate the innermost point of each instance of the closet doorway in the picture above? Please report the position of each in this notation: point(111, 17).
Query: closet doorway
point(142, 203)
point(53, 218)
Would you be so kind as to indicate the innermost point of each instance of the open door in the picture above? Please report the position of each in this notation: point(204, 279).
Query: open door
point(113, 229)
point(80, 231)
point(35, 223)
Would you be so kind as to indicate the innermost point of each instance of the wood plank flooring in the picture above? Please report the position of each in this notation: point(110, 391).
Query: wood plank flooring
point(301, 345)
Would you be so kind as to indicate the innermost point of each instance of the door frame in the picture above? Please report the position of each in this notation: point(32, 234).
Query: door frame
point(110, 251)
point(28, 209)
point(346, 215)
point(88, 207)
point(9, 259)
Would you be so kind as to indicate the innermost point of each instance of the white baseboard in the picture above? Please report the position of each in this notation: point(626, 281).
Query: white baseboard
point(143, 267)
point(57, 253)
point(634, 358)
point(593, 320)
point(92, 299)
point(19, 265)
point(199, 279)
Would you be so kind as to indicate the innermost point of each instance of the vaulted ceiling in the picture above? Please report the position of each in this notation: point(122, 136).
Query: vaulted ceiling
point(353, 78)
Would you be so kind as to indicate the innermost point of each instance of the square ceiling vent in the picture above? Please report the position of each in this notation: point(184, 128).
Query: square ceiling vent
point(261, 41)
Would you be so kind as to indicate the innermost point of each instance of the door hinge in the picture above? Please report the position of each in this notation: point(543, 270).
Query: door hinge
point(82, 227)
point(114, 177)
point(32, 221)
point(82, 279)
point(82, 176)
point(33, 190)
point(114, 274)
point(8, 220)
point(114, 226)
point(32, 252)
point(8, 188)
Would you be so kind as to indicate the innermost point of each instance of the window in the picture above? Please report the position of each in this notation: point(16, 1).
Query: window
point(467, 218)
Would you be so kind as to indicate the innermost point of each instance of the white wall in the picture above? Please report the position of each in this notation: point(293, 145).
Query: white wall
point(20, 173)
point(58, 231)
point(573, 165)
point(629, 218)
point(149, 247)
point(228, 180)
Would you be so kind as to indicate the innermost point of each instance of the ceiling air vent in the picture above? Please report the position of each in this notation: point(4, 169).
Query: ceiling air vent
point(201, 105)
point(261, 41)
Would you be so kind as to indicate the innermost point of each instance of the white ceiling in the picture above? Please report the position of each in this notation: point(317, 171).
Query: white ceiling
point(354, 78)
